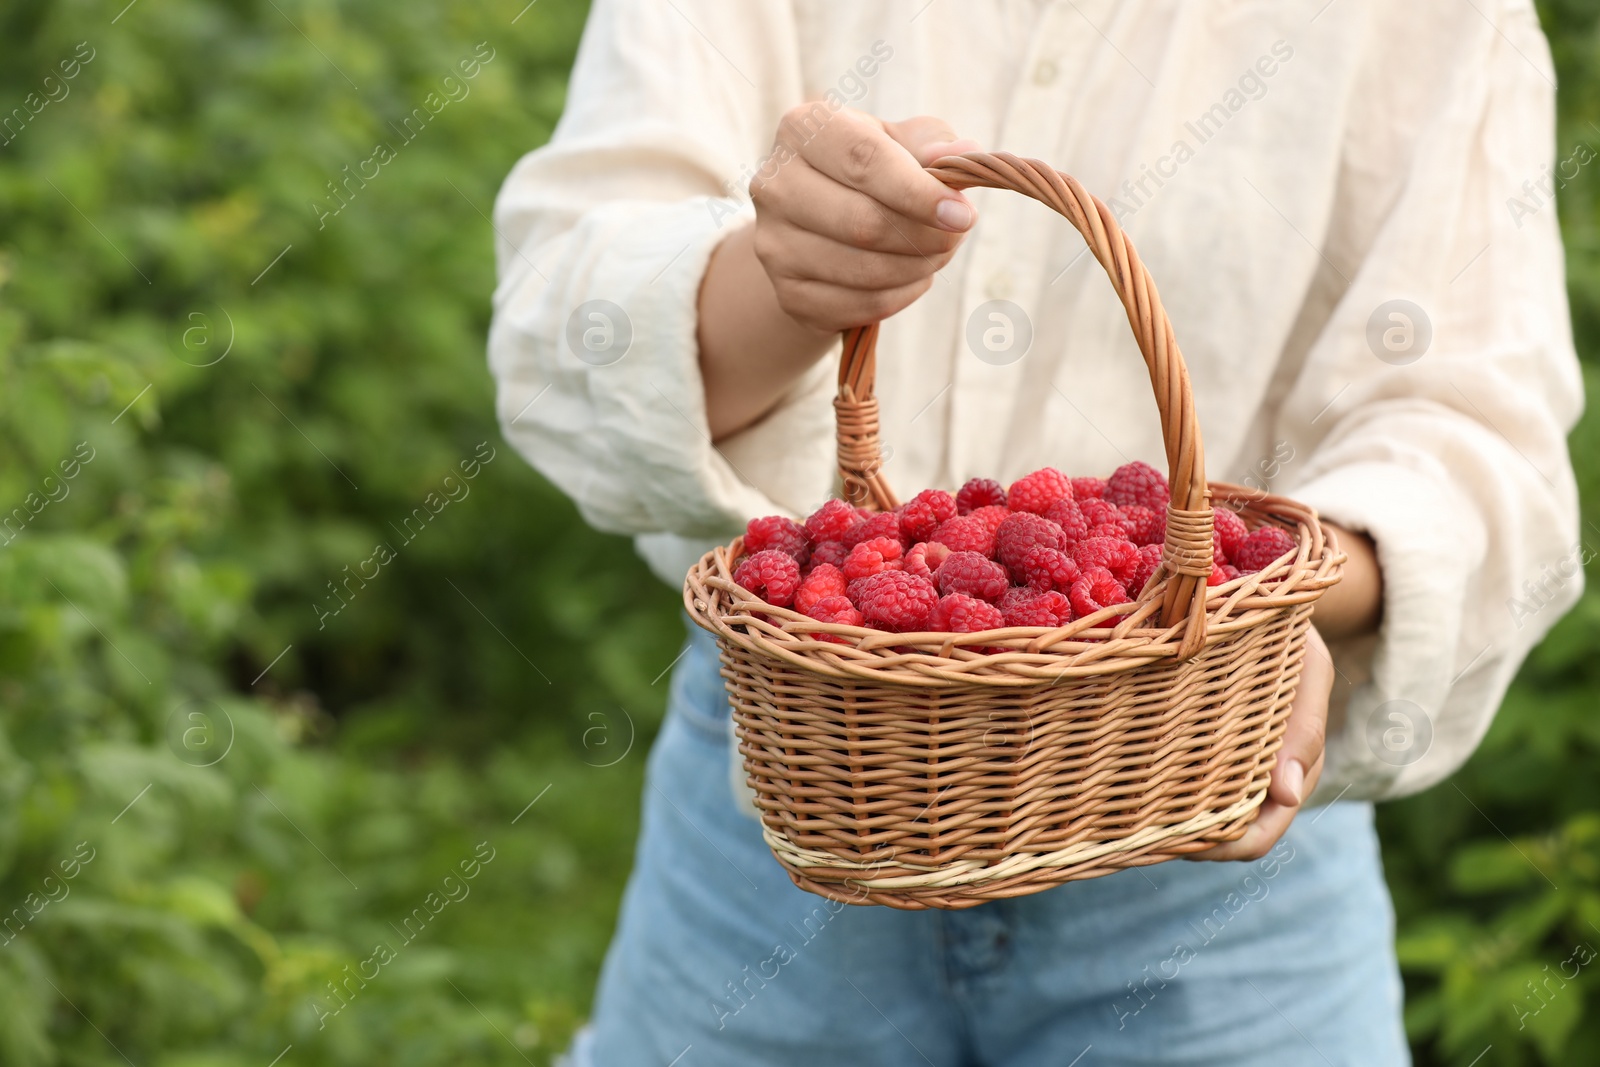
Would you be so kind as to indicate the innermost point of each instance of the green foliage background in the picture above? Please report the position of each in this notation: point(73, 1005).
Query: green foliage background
point(161, 611)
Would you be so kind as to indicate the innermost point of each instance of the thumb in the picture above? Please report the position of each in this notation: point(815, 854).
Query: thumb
point(928, 138)
point(1304, 738)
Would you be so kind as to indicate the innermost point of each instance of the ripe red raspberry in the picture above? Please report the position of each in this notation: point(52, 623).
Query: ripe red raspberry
point(1230, 530)
point(1262, 547)
point(775, 531)
point(993, 515)
point(1119, 557)
point(1149, 562)
point(829, 552)
point(957, 613)
point(966, 533)
point(1035, 492)
point(1143, 526)
point(772, 575)
point(1028, 608)
point(870, 557)
point(836, 609)
point(1138, 483)
point(1068, 514)
point(1114, 530)
point(876, 524)
point(973, 575)
point(1013, 596)
point(825, 580)
point(833, 521)
point(1222, 572)
point(1021, 532)
point(1098, 588)
point(923, 513)
point(1088, 488)
point(1098, 512)
point(979, 493)
point(925, 558)
point(895, 601)
point(1048, 568)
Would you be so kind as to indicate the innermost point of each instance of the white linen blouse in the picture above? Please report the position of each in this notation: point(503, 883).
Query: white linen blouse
point(1347, 205)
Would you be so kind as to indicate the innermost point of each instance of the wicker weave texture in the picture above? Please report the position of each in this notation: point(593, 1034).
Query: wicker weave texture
point(964, 795)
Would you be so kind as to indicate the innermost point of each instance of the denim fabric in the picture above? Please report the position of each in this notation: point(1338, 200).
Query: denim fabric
point(719, 960)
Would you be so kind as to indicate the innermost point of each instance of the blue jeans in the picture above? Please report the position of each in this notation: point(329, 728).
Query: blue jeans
point(719, 960)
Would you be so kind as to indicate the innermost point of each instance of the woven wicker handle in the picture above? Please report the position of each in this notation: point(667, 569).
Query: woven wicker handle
point(1187, 554)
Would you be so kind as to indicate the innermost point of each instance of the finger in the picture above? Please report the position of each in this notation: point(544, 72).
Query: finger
point(1271, 822)
point(811, 200)
point(832, 308)
point(1305, 735)
point(1272, 819)
point(857, 152)
point(791, 252)
point(1300, 760)
point(928, 138)
point(1314, 775)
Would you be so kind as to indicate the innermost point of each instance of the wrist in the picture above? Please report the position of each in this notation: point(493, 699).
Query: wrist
point(751, 350)
point(1353, 607)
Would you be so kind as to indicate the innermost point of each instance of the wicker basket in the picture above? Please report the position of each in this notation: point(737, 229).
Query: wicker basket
point(907, 770)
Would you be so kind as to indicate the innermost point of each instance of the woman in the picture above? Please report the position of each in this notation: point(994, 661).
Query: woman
point(1323, 192)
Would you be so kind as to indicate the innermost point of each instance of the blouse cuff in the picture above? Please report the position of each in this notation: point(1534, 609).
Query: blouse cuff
point(1429, 543)
point(618, 334)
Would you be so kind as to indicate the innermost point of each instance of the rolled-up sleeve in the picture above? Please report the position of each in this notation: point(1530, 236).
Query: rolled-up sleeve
point(604, 236)
point(1433, 411)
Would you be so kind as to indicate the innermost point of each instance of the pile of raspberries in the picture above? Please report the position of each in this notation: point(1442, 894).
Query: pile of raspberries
point(1047, 550)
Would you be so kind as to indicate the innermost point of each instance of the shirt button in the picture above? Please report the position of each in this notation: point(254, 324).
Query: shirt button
point(999, 285)
point(1045, 71)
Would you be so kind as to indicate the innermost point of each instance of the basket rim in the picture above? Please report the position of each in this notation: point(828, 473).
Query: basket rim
point(906, 874)
point(1110, 641)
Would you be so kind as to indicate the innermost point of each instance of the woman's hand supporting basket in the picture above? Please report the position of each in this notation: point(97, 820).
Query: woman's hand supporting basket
point(1350, 609)
point(849, 229)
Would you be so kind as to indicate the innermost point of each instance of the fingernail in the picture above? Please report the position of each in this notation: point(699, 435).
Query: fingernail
point(953, 214)
point(1294, 776)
